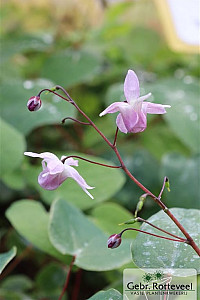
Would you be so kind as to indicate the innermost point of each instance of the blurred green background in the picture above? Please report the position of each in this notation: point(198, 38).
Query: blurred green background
point(87, 47)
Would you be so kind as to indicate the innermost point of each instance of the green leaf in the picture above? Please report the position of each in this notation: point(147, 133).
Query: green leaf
point(183, 174)
point(108, 216)
point(106, 181)
point(14, 97)
point(51, 278)
point(97, 257)
point(69, 230)
point(21, 44)
point(140, 163)
point(71, 67)
point(184, 114)
point(17, 283)
point(12, 147)
point(105, 295)
point(6, 257)
point(115, 93)
point(14, 180)
point(10, 295)
point(106, 125)
point(164, 140)
point(30, 219)
point(153, 252)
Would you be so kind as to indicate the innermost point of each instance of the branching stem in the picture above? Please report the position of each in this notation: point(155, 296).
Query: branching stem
point(149, 233)
point(154, 226)
point(90, 161)
point(189, 240)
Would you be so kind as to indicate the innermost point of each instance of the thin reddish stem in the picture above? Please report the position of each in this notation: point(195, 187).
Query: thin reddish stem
point(59, 87)
point(159, 236)
point(67, 278)
point(154, 226)
point(75, 120)
point(90, 161)
point(48, 90)
point(77, 285)
point(113, 146)
point(163, 187)
point(115, 139)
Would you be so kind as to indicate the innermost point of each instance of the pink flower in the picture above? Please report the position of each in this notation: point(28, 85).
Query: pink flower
point(55, 171)
point(34, 103)
point(133, 113)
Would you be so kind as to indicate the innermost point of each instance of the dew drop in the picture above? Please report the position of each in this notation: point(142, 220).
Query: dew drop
point(193, 117)
point(188, 108)
point(146, 253)
point(188, 79)
point(28, 84)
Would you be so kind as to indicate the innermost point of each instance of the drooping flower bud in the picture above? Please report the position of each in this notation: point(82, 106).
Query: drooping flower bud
point(114, 241)
point(34, 103)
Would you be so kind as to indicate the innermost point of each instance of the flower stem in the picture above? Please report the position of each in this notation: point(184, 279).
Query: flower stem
point(159, 236)
point(190, 241)
point(145, 221)
point(90, 161)
point(75, 120)
point(163, 187)
point(50, 91)
point(77, 284)
point(67, 278)
point(115, 139)
point(160, 203)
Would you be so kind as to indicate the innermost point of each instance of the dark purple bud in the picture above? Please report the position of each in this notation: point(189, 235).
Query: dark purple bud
point(34, 103)
point(114, 241)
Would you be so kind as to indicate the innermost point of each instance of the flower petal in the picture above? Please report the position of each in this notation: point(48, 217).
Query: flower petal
point(49, 181)
point(120, 124)
point(71, 172)
point(70, 161)
point(141, 123)
point(154, 108)
point(131, 86)
point(114, 107)
point(41, 155)
point(130, 117)
point(53, 163)
point(142, 98)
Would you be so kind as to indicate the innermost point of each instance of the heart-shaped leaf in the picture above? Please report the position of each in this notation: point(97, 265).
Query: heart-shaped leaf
point(30, 219)
point(71, 232)
point(153, 252)
point(71, 67)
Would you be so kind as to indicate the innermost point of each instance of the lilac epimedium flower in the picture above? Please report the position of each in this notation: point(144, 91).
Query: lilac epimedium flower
point(55, 171)
point(133, 112)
